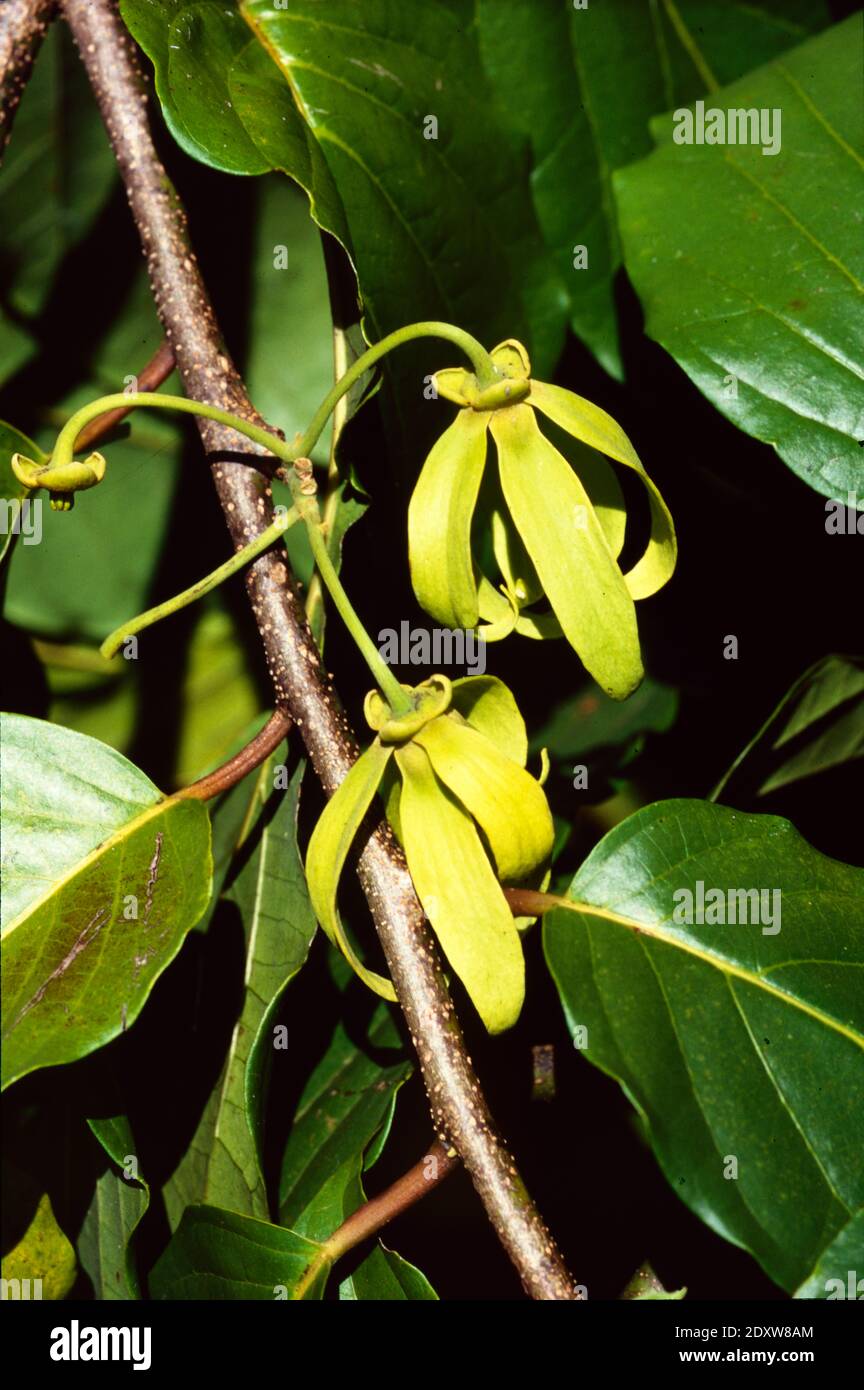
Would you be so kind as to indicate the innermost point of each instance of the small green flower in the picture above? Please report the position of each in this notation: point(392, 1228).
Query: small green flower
point(469, 817)
point(556, 530)
point(61, 480)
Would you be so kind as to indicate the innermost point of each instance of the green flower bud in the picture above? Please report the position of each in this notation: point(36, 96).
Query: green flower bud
point(61, 480)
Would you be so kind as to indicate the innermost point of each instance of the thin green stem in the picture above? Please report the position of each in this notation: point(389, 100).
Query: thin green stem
point(398, 700)
point(114, 642)
point(484, 370)
point(65, 446)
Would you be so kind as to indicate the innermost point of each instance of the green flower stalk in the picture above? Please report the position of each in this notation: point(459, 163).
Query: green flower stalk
point(469, 817)
point(558, 533)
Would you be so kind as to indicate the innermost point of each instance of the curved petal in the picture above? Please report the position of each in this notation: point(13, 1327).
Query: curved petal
point(439, 522)
point(489, 707)
point(328, 849)
point(460, 894)
point(571, 555)
point(593, 426)
point(508, 805)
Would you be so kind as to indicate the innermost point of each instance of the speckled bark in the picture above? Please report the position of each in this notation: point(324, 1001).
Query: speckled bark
point(459, 1111)
point(23, 24)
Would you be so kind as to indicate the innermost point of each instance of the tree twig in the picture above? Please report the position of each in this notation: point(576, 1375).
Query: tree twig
point(23, 26)
point(460, 1114)
point(150, 378)
point(223, 778)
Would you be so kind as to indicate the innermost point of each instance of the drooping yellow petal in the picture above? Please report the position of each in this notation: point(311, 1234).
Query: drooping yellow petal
point(439, 522)
point(594, 427)
point(489, 707)
point(508, 805)
point(565, 540)
point(328, 849)
point(460, 894)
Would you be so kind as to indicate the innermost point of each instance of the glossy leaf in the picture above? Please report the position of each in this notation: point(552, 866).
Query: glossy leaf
point(220, 1255)
point(741, 1045)
point(819, 724)
point(92, 854)
point(781, 362)
point(222, 1165)
point(347, 1101)
point(581, 84)
point(118, 1204)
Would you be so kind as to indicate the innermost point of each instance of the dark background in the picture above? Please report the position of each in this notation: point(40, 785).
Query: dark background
point(755, 562)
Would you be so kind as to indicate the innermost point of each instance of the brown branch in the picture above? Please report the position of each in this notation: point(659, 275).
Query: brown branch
point(405, 1192)
point(150, 378)
point(23, 26)
point(223, 778)
point(459, 1110)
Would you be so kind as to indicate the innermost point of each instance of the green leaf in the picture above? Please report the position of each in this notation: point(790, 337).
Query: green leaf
point(222, 1165)
point(580, 86)
point(43, 1253)
point(92, 854)
point(347, 1102)
point(365, 81)
point(840, 1263)
point(590, 720)
point(57, 174)
point(119, 1202)
point(780, 360)
point(563, 536)
point(739, 1044)
point(96, 566)
point(220, 1255)
point(384, 1277)
point(26, 522)
point(819, 724)
point(219, 695)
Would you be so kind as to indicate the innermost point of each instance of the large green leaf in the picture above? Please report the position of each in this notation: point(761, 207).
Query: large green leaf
point(581, 83)
point(220, 1255)
point(741, 1045)
point(103, 878)
point(95, 566)
point(222, 1165)
point(346, 1102)
point(751, 268)
point(56, 176)
point(119, 1201)
point(819, 724)
point(437, 227)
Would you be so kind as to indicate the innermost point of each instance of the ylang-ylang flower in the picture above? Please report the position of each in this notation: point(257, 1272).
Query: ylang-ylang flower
point(554, 528)
point(469, 816)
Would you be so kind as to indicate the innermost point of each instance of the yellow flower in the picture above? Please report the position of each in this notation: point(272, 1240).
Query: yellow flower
point(556, 530)
point(61, 480)
point(468, 815)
